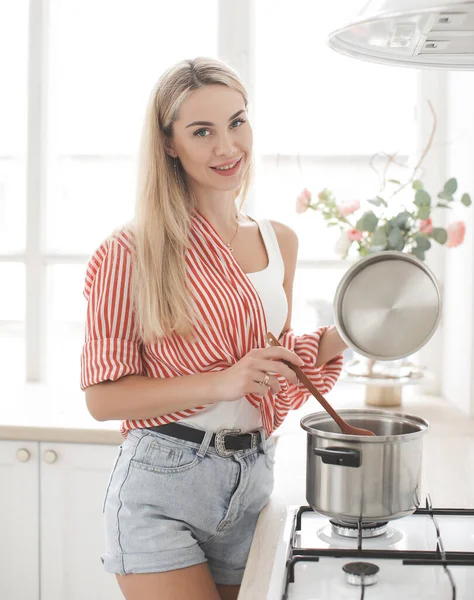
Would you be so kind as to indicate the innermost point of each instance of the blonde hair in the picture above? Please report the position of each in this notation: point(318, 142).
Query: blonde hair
point(161, 298)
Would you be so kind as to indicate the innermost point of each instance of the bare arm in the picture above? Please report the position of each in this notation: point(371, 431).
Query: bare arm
point(138, 397)
point(330, 345)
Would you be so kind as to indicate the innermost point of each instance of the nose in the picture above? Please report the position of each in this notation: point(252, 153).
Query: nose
point(225, 145)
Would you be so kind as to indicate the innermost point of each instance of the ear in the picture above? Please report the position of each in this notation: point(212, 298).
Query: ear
point(169, 149)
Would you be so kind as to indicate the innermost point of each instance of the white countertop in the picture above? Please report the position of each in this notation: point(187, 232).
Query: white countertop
point(448, 459)
point(41, 413)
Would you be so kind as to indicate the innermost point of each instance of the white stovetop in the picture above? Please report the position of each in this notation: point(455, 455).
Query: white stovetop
point(325, 579)
point(448, 456)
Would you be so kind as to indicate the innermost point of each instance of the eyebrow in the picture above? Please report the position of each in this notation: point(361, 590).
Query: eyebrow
point(208, 123)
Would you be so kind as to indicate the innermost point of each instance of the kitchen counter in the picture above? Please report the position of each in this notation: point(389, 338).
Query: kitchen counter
point(40, 413)
point(448, 456)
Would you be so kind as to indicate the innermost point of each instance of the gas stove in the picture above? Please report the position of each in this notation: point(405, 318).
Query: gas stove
point(426, 555)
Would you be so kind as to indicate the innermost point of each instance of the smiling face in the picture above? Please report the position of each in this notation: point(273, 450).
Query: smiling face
point(212, 131)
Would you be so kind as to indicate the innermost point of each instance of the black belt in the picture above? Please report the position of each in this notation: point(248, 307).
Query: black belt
point(226, 442)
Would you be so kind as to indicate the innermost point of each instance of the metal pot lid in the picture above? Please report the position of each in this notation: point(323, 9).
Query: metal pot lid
point(387, 306)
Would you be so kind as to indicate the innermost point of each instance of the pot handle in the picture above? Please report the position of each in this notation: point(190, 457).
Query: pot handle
point(345, 457)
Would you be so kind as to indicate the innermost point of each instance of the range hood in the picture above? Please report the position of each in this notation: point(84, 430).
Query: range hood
point(412, 33)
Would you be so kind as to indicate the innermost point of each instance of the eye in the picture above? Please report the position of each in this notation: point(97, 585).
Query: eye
point(200, 131)
point(239, 121)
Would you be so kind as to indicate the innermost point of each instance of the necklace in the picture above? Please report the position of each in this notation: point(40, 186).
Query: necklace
point(233, 237)
point(229, 245)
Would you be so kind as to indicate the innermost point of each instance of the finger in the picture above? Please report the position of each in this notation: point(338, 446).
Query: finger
point(272, 385)
point(275, 366)
point(280, 353)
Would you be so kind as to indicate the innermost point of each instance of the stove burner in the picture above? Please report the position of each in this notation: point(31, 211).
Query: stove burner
point(361, 573)
point(350, 530)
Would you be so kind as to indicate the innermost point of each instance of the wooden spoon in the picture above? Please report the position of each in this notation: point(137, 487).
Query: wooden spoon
point(345, 427)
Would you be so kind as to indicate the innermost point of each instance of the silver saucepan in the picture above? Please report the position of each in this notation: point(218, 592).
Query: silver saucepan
point(354, 478)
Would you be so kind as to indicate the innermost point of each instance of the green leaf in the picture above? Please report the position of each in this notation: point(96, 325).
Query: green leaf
point(401, 219)
point(424, 212)
point(443, 205)
point(417, 185)
point(422, 198)
point(439, 234)
point(396, 240)
point(379, 239)
point(445, 196)
point(418, 253)
point(364, 251)
point(377, 201)
point(368, 222)
point(394, 181)
point(451, 186)
point(422, 242)
point(466, 200)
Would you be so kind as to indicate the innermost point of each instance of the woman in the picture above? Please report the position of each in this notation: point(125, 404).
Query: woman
point(179, 302)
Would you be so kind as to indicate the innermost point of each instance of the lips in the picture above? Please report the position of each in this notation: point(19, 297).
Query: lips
point(228, 163)
point(229, 172)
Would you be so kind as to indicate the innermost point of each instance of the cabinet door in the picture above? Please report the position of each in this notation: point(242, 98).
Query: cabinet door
point(73, 480)
point(19, 555)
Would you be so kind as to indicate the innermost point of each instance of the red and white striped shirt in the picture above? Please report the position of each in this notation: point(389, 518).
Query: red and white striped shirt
point(232, 323)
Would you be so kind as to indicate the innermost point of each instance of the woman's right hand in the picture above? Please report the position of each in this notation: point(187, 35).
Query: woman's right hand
point(244, 377)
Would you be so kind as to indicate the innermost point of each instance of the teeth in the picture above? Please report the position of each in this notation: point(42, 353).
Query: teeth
point(228, 167)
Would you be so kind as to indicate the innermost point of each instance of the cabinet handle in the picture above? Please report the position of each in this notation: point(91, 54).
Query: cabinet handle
point(50, 456)
point(23, 455)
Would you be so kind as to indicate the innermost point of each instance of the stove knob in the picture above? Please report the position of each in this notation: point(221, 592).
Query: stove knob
point(358, 573)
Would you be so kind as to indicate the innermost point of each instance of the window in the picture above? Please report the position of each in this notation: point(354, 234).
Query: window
point(13, 43)
point(104, 58)
point(319, 117)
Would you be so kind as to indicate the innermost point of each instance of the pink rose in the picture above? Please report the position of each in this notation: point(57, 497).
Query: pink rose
point(354, 235)
point(347, 208)
point(456, 232)
point(426, 226)
point(303, 201)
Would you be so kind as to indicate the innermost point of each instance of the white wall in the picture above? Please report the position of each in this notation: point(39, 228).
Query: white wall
point(432, 87)
point(458, 355)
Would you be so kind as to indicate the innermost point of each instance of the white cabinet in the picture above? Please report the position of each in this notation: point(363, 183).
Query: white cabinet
point(51, 523)
point(19, 521)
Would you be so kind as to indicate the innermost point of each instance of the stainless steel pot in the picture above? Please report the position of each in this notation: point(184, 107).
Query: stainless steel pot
point(387, 305)
point(357, 478)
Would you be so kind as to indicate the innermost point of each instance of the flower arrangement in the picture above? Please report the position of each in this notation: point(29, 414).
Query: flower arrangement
point(388, 225)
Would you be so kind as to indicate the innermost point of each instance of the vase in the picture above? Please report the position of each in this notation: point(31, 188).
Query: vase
point(383, 380)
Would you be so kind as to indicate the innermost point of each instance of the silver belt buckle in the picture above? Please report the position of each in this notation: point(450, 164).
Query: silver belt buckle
point(253, 440)
point(220, 442)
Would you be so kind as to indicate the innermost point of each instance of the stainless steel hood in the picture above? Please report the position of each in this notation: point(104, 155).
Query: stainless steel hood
point(412, 33)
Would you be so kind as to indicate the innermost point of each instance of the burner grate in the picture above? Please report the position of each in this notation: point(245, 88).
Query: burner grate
point(408, 557)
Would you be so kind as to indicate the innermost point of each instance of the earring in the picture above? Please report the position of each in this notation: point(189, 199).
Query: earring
point(175, 164)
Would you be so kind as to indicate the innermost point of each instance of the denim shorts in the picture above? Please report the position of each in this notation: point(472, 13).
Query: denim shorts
point(171, 504)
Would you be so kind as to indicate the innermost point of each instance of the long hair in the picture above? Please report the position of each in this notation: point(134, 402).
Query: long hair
point(160, 294)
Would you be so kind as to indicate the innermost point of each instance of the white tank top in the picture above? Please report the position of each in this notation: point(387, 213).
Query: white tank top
point(240, 414)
